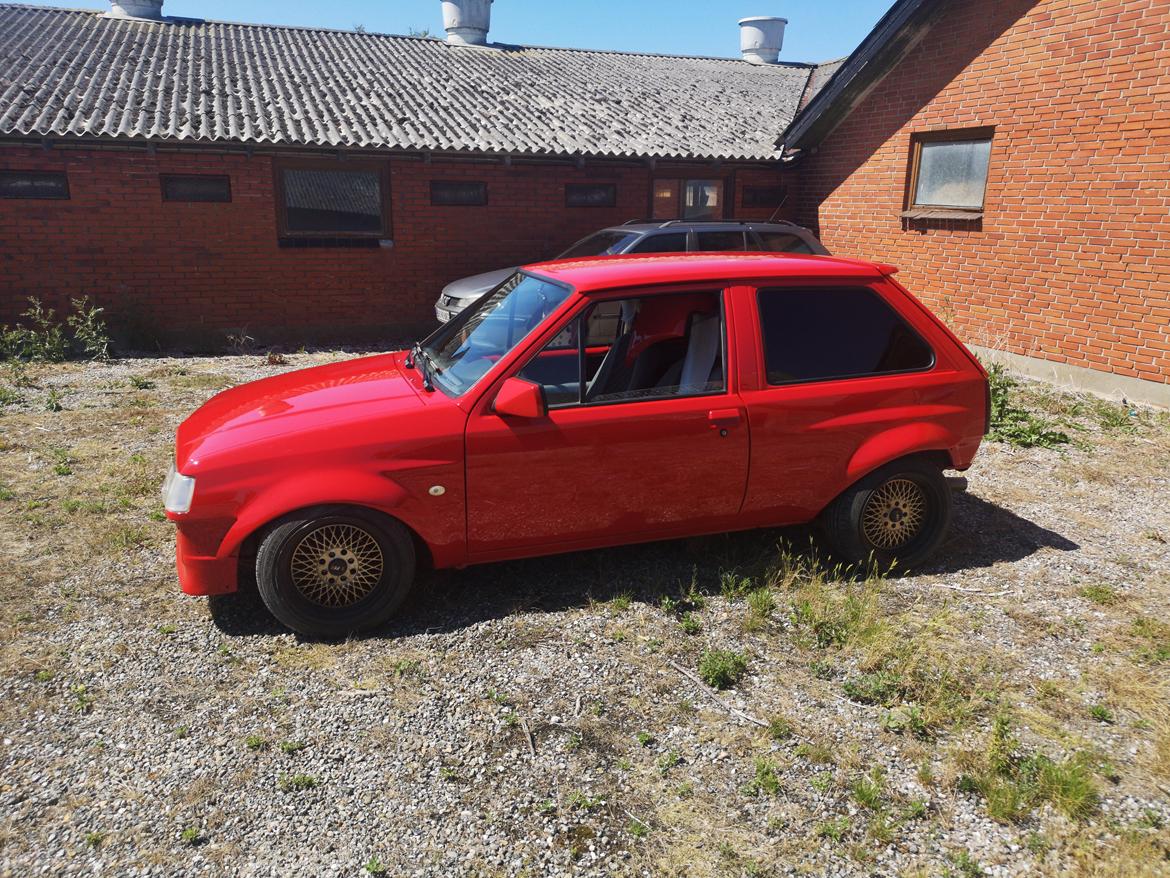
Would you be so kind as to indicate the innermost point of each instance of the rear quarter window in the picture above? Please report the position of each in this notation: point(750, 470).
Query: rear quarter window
point(825, 333)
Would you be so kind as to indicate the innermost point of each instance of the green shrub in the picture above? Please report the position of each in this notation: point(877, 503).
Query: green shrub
point(1015, 425)
point(721, 668)
point(90, 335)
point(41, 337)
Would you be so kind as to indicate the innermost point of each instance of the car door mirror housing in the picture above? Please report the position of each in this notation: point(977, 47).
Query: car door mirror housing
point(520, 399)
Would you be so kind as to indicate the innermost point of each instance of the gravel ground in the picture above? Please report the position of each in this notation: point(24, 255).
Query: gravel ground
point(541, 717)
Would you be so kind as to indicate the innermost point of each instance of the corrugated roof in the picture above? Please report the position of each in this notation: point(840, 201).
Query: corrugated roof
point(70, 72)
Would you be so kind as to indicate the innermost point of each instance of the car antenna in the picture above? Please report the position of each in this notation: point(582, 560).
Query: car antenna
point(779, 207)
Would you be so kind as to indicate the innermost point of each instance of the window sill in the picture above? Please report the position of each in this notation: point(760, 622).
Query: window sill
point(937, 213)
point(353, 243)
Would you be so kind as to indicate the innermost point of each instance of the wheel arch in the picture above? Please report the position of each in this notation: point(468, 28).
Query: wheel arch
point(920, 439)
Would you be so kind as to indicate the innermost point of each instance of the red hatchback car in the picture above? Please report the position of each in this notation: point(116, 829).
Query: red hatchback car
point(584, 404)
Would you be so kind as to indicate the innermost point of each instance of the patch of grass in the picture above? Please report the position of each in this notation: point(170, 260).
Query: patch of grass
point(43, 676)
point(7, 493)
point(167, 628)
point(645, 739)
point(82, 699)
point(667, 761)
point(780, 729)
point(182, 732)
point(733, 585)
point(834, 829)
point(296, 782)
point(1101, 713)
point(828, 617)
point(375, 867)
point(966, 866)
point(291, 747)
point(722, 668)
point(1013, 424)
point(879, 687)
point(690, 624)
point(621, 603)
point(53, 401)
point(637, 829)
point(1154, 640)
point(94, 839)
point(256, 742)
point(8, 396)
point(1100, 594)
point(583, 802)
point(822, 782)
point(816, 753)
point(867, 790)
point(766, 781)
point(761, 604)
point(138, 382)
point(191, 836)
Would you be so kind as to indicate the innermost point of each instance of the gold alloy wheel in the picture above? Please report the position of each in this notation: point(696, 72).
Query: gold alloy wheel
point(336, 565)
point(894, 514)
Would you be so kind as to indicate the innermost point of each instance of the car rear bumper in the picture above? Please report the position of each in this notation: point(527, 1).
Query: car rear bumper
point(200, 575)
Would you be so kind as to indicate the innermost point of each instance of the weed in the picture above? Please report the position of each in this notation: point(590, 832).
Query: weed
point(1101, 713)
point(915, 810)
point(734, 586)
point(645, 739)
point(53, 401)
point(18, 375)
point(1155, 640)
point(94, 839)
point(291, 747)
point(622, 602)
point(182, 732)
point(780, 729)
point(667, 761)
point(10, 397)
point(82, 699)
point(867, 790)
point(580, 801)
point(816, 753)
point(90, 334)
point(1014, 425)
point(42, 340)
point(375, 867)
point(880, 687)
point(822, 782)
point(638, 829)
point(275, 358)
point(448, 774)
point(834, 829)
point(140, 383)
point(966, 865)
point(167, 629)
point(906, 719)
point(766, 780)
point(722, 669)
point(822, 669)
point(407, 667)
point(689, 624)
point(1100, 594)
point(7, 493)
point(256, 742)
point(296, 782)
point(190, 836)
point(43, 676)
point(761, 605)
point(574, 741)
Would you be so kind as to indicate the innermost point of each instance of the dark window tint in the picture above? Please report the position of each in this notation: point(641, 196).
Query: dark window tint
point(332, 201)
point(33, 184)
point(764, 196)
point(823, 333)
point(456, 193)
point(676, 242)
point(783, 242)
point(599, 244)
point(720, 241)
point(189, 187)
point(591, 195)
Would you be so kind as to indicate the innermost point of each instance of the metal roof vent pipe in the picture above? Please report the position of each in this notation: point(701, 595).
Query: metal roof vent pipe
point(136, 9)
point(467, 21)
point(761, 38)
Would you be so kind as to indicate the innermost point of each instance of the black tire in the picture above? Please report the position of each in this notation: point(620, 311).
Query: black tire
point(334, 601)
point(878, 534)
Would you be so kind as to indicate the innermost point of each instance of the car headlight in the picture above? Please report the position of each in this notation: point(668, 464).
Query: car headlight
point(178, 491)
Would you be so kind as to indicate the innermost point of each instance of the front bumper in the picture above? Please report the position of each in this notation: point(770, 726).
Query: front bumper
point(202, 575)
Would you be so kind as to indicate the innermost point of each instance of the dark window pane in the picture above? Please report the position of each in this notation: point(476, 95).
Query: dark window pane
point(33, 184)
point(599, 244)
point(332, 201)
point(590, 195)
point(720, 241)
point(818, 334)
point(666, 199)
point(189, 187)
point(783, 242)
point(703, 199)
point(458, 193)
point(953, 174)
point(764, 196)
point(675, 242)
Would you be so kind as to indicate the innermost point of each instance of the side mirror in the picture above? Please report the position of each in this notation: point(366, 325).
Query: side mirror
point(520, 399)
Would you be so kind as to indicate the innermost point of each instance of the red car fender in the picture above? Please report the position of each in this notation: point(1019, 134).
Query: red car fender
point(313, 488)
point(898, 442)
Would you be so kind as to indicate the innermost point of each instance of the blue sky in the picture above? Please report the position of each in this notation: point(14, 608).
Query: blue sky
point(817, 30)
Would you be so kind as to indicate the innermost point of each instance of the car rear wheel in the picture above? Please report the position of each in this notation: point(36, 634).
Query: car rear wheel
point(333, 571)
point(895, 517)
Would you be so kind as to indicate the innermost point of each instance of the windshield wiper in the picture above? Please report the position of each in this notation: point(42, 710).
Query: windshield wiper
point(421, 360)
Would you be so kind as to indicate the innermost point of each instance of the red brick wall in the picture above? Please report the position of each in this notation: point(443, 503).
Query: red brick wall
point(1071, 260)
point(164, 266)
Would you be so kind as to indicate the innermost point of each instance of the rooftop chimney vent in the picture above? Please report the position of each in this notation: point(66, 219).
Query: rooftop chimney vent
point(761, 38)
point(136, 9)
point(467, 21)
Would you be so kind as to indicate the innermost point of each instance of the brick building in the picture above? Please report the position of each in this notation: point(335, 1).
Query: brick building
point(1056, 255)
point(1011, 156)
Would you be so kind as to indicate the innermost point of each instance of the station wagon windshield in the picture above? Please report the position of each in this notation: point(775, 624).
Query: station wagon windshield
point(600, 244)
point(462, 351)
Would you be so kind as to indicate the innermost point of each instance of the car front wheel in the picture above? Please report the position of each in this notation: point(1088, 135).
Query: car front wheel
point(333, 571)
point(895, 517)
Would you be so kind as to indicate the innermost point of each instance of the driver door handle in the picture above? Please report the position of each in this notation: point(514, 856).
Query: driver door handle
point(722, 419)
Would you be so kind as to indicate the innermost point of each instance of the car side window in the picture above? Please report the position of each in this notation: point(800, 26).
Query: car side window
point(675, 242)
point(825, 333)
point(644, 348)
point(784, 242)
point(720, 241)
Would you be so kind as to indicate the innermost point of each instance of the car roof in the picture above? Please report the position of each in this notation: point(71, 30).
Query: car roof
point(700, 225)
point(606, 272)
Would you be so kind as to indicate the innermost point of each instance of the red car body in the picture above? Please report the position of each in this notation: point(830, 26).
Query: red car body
point(476, 486)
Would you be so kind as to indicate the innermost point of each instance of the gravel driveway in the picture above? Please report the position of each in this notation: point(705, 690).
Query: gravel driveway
point(1004, 712)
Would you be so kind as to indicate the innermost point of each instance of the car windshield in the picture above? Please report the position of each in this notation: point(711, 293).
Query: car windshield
point(600, 244)
point(464, 350)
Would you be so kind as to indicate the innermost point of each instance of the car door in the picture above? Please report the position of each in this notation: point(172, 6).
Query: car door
point(642, 449)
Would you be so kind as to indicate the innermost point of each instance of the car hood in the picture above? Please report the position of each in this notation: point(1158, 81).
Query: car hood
point(470, 288)
point(272, 408)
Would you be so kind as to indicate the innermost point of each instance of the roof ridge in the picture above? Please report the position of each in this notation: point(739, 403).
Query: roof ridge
point(181, 19)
